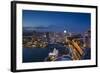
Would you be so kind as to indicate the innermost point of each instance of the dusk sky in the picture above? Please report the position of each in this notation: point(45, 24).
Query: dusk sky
point(74, 22)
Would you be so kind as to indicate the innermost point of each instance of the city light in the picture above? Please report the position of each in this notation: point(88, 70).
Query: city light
point(65, 31)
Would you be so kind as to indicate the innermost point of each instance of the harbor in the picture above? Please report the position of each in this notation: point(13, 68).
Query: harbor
point(54, 45)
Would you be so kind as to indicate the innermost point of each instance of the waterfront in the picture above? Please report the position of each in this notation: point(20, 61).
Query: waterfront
point(40, 54)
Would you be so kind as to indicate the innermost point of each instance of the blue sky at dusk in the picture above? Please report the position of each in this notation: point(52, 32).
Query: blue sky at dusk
point(58, 21)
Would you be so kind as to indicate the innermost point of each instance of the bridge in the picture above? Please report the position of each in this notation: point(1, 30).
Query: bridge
point(77, 51)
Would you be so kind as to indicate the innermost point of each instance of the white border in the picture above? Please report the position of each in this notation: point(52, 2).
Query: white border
point(38, 65)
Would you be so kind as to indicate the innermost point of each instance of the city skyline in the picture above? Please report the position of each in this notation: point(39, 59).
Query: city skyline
point(57, 21)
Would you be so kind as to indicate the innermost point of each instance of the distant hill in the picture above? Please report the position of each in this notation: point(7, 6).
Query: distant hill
point(51, 28)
